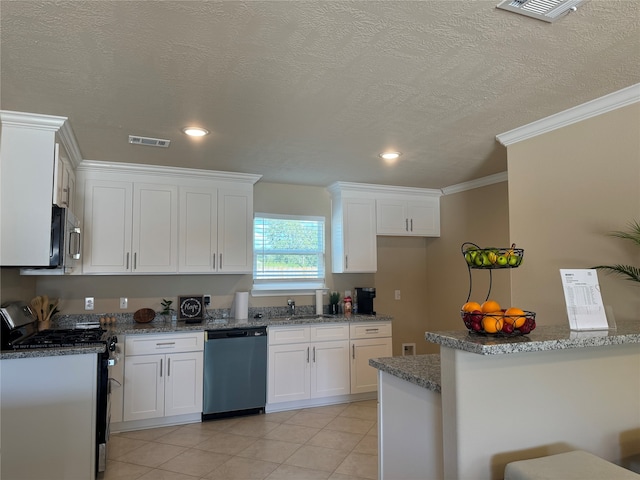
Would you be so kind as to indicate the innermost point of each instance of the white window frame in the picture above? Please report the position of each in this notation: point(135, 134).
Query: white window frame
point(286, 287)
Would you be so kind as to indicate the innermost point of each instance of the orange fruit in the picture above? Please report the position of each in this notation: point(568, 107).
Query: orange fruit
point(515, 317)
point(490, 306)
point(493, 322)
point(471, 306)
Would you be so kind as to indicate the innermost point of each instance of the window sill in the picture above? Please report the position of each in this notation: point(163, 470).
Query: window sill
point(286, 289)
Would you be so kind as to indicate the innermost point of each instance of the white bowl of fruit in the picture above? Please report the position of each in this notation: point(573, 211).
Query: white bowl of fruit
point(490, 319)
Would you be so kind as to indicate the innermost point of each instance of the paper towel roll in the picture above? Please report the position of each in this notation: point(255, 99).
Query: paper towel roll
point(319, 309)
point(241, 304)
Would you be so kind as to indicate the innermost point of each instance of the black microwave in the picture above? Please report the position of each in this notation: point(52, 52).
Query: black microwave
point(65, 246)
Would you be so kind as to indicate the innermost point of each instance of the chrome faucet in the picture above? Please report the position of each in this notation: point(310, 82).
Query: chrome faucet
point(292, 306)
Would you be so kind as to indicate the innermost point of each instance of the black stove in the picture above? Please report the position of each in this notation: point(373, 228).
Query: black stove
point(64, 337)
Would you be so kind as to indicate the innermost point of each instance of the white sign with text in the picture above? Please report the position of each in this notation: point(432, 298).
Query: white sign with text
point(584, 301)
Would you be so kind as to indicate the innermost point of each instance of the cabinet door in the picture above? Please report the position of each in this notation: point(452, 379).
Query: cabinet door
point(359, 224)
point(155, 228)
point(364, 378)
point(391, 217)
point(64, 179)
point(198, 242)
point(144, 387)
point(235, 231)
point(330, 369)
point(107, 226)
point(288, 373)
point(424, 217)
point(183, 383)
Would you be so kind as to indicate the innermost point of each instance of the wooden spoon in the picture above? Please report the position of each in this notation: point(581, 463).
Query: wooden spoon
point(36, 304)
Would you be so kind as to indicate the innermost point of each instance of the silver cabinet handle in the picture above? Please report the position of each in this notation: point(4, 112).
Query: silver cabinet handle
point(127, 261)
point(307, 354)
point(406, 224)
point(214, 261)
point(412, 224)
point(371, 330)
point(168, 367)
point(314, 354)
point(165, 344)
point(353, 350)
point(135, 260)
point(346, 262)
point(161, 367)
point(220, 262)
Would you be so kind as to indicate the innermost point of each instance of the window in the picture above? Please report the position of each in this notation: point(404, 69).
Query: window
point(288, 252)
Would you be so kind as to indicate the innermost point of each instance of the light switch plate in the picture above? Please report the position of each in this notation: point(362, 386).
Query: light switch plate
point(124, 302)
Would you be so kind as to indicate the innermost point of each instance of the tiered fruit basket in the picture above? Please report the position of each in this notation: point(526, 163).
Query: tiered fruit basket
point(489, 318)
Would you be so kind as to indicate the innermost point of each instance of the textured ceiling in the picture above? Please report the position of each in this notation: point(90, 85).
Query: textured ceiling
point(310, 92)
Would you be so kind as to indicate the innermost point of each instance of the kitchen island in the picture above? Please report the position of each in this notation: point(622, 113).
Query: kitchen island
point(507, 399)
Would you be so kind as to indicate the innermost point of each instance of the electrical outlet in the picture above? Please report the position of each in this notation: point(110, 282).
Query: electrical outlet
point(89, 303)
point(124, 302)
point(408, 349)
point(397, 295)
point(207, 300)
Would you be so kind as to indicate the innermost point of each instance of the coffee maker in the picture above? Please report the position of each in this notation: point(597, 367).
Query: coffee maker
point(364, 300)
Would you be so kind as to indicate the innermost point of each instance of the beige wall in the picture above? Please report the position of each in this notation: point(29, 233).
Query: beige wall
point(479, 216)
point(14, 287)
point(567, 190)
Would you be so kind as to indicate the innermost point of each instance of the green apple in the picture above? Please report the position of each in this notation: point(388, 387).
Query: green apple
point(514, 260)
point(486, 261)
point(502, 260)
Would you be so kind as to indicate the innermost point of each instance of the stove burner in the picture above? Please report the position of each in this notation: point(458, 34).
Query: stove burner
point(69, 337)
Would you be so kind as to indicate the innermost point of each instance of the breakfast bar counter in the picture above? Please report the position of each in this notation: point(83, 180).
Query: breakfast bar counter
point(496, 400)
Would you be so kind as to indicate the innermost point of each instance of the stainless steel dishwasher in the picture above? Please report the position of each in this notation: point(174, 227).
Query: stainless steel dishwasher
point(235, 372)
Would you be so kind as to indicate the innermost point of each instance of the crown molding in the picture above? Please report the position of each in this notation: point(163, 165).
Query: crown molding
point(477, 183)
point(31, 120)
point(596, 107)
point(373, 189)
point(159, 171)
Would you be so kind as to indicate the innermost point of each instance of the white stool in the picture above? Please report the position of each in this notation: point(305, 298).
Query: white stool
point(577, 465)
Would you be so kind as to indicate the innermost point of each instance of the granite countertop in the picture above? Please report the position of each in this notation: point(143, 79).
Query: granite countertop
point(421, 370)
point(543, 338)
point(50, 352)
point(127, 326)
point(158, 325)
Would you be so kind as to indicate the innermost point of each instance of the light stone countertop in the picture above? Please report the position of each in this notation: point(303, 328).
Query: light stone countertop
point(127, 326)
point(543, 338)
point(421, 370)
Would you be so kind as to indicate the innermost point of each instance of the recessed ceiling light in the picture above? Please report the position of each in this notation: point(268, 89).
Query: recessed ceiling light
point(195, 131)
point(390, 155)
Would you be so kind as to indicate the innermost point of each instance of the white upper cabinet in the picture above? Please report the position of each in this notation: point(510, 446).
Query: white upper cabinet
point(27, 160)
point(216, 230)
point(141, 219)
point(360, 212)
point(130, 227)
point(64, 179)
point(353, 230)
point(408, 215)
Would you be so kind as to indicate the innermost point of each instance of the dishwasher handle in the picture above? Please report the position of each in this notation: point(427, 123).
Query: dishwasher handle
point(236, 333)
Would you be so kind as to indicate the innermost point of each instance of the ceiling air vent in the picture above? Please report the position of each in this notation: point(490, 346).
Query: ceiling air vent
point(152, 142)
point(545, 10)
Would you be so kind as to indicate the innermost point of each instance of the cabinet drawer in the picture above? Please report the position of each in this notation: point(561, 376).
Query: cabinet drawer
point(321, 333)
point(284, 335)
point(170, 343)
point(370, 330)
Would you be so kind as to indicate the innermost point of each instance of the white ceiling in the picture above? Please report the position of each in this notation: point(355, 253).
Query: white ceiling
point(309, 92)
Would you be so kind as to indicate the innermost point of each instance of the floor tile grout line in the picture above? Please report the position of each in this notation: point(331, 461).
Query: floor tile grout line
point(252, 419)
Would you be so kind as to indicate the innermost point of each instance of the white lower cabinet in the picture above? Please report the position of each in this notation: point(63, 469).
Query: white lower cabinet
point(368, 340)
point(307, 362)
point(163, 375)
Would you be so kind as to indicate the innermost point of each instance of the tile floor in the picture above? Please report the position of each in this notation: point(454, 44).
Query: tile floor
point(337, 442)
